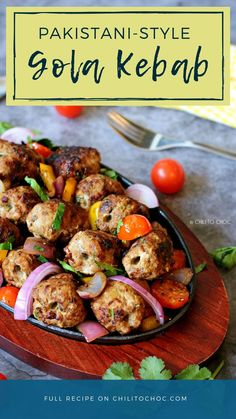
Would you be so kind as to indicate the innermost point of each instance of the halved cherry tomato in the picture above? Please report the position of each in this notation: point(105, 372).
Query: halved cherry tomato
point(41, 149)
point(179, 260)
point(170, 294)
point(134, 226)
point(8, 295)
point(168, 176)
point(69, 111)
point(2, 376)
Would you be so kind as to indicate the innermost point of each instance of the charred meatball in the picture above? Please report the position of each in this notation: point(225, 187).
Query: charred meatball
point(150, 256)
point(17, 266)
point(41, 217)
point(77, 162)
point(114, 208)
point(8, 229)
point(16, 162)
point(16, 203)
point(88, 250)
point(96, 187)
point(56, 302)
point(119, 308)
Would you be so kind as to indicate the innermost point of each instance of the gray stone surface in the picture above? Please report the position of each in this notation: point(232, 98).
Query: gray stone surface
point(209, 193)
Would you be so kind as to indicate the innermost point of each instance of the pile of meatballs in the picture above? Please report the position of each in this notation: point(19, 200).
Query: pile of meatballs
point(23, 214)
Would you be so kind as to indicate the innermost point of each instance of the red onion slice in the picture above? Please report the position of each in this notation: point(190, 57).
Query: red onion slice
point(24, 301)
point(156, 306)
point(59, 185)
point(34, 246)
point(17, 135)
point(183, 275)
point(94, 287)
point(92, 330)
point(143, 194)
point(1, 277)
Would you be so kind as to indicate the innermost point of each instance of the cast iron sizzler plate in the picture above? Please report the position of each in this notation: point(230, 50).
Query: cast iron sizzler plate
point(159, 215)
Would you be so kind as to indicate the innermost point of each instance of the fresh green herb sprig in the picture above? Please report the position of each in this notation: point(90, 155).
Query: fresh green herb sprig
point(4, 126)
point(42, 259)
point(56, 225)
point(119, 225)
point(153, 368)
point(68, 268)
point(225, 257)
point(201, 267)
point(109, 270)
point(109, 172)
point(37, 188)
point(44, 141)
point(8, 244)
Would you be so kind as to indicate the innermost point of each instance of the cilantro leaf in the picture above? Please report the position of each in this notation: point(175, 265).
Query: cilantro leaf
point(67, 267)
point(56, 225)
point(7, 245)
point(37, 188)
point(200, 267)
point(153, 368)
point(109, 269)
point(194, 372)
point(119, 225)
point(119, 371)
point(4, 126)
point(225, 257)
point(109, 172)
point(44, 141)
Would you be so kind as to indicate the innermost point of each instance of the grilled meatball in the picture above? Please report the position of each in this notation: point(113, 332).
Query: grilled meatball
point(16, 161)
point(114, 208)
point(75, 162)
point(16, 203)
point(119, 308)
point(17, 266)
point(88, 249)
point(41, 217)
point(96, 187)
point(56, 302)
point(150, 256)
point(8, 229)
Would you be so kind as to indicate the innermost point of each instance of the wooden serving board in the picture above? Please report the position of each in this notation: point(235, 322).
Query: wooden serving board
point(193, 339)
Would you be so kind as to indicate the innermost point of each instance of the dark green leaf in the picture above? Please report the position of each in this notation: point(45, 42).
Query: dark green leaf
point(200, 267)
point(153, 368)
point(42, 259)
point(7, 245)
point(194, 372)
point(68, 268)
point(56, 225)
point(39, 248)
point(37, 188)
point(4, 126)
point(119, 371)
point(44, 141)
point(109, 172)
point(225, 257)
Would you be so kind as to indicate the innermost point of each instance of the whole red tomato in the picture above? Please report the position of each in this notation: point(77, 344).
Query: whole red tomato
point(69, 111)
point(168, 176)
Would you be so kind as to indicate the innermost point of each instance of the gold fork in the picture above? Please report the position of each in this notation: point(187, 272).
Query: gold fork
point(152, 141)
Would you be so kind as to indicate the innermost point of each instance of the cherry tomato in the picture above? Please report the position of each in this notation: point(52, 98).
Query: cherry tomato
point(168, 176)
point(41, 149)
point(134, 226)
point(170, 294)
point(69, 111)
point(179, 260)
point(2, 376)
point(8, 295)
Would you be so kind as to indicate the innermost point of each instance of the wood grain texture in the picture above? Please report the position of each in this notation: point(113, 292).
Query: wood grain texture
point(193, 339)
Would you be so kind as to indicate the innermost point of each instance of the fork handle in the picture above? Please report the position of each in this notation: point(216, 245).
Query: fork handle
point(215, 150)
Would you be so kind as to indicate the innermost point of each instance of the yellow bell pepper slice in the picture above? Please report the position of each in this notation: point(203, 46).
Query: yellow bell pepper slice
point(3, 255)
point(69, 189)
point(86, 279)
point(93, 214)
point(48, 177)
point(149, 323)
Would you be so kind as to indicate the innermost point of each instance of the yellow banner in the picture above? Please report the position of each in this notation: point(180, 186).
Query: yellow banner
point(118, 56)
